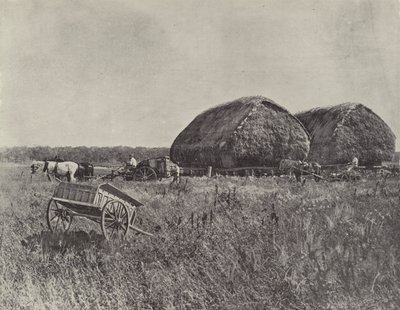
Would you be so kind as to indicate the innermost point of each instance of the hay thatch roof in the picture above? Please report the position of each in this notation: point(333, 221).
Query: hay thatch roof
point(341, 132)
point(250, 131)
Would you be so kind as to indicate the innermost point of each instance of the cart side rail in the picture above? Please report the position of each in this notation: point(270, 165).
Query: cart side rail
point(72, 202)
point(76, 192)
point(106, 192)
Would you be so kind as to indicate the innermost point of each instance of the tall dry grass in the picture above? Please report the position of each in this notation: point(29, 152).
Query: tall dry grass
point(227, 243)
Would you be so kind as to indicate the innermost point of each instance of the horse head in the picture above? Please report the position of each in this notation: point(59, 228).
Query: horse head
point(36, 164)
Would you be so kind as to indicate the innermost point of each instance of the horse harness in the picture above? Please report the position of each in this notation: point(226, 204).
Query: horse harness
point(46, 168)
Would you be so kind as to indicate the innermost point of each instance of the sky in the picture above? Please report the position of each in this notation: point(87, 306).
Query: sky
point(136, 73)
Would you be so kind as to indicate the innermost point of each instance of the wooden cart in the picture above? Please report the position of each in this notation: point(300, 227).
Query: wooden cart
point(152, 169)
point(105, 204)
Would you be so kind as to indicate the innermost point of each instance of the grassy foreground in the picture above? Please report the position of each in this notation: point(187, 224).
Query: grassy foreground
point(269, 244)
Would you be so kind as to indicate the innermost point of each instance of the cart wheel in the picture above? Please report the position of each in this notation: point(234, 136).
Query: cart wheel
point(58, 217)
point(145, 174)
point(345, 177)
point(114, 220)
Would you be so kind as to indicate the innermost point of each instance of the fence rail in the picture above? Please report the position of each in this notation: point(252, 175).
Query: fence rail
point(209, 171)
point(259, 170)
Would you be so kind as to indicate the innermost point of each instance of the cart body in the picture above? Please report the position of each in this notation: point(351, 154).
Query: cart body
point(105, 204)
point(150, 170)
point(163, 166)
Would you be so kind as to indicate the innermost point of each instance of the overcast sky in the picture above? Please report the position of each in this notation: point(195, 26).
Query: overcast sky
point(105, 73)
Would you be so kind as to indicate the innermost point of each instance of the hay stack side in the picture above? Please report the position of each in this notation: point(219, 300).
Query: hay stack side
point(396, 157)
point(250, 131)
point(341, 132)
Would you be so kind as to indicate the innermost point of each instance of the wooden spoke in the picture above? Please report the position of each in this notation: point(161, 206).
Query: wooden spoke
point(110, 224)
point(115, 220)
point(112, 232)
point(118, 212)
point(124, 216)
point(55, 216)
point(145, 174)
point(58, 217)
point(109, 213)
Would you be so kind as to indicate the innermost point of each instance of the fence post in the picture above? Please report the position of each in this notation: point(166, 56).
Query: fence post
point(209, 171)
point(216, 195)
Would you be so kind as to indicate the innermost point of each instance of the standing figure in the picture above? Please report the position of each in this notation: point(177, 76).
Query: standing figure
point(176, 173)
point(131, 163)
point(353, 164)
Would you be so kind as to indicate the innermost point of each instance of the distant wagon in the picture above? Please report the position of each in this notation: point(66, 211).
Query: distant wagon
point(148, 170)
point(105, 204)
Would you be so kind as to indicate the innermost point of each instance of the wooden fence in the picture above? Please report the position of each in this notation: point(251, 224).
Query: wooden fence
point(240, 171)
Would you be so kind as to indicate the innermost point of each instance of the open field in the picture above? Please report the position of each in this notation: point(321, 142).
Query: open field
point(268, 244)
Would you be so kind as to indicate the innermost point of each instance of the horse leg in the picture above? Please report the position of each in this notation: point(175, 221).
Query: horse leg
point(48, 176)
point(71, 177)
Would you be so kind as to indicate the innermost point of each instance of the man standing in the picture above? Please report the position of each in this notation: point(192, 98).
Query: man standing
point(176, 173)
point(353, 164)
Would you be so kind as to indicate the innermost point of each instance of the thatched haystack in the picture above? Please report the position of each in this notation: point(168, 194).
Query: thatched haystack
point(250, 131)
point(341, 132)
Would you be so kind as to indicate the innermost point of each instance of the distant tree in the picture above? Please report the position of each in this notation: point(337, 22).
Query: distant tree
point(94, 154)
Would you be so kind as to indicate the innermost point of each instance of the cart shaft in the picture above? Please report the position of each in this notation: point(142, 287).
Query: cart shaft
point(140, 231)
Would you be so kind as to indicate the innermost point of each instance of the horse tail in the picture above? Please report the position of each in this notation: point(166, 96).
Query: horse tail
point(76, 174)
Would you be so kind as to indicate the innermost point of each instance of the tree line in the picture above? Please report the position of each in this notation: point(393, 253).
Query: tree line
point(93, 154)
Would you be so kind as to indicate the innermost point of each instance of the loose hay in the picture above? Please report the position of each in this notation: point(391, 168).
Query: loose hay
point(250, 131)
point(341, 132)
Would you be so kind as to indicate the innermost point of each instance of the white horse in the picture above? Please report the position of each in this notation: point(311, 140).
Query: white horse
point(56, 169)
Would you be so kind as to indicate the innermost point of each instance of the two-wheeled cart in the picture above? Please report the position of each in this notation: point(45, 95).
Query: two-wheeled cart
point(105, 204)
point(152, 169)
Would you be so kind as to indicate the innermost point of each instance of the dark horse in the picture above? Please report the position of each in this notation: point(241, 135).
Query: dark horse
point(289, 166)
point(85, 169)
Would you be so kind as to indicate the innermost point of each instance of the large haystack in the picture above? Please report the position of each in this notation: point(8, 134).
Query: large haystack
point(338, 133)
point(250, 131)
point(396, 156)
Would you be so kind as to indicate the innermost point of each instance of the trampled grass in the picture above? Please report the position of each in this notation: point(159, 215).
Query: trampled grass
point(226, 243)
